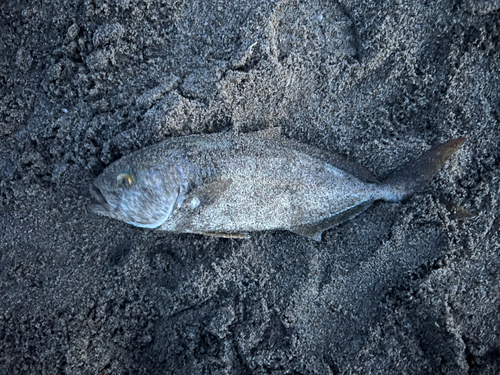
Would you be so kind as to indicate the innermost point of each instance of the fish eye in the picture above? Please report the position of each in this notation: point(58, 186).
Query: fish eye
point(124, 179)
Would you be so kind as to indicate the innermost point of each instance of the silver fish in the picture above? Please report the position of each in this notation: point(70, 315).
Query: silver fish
point(228, 185)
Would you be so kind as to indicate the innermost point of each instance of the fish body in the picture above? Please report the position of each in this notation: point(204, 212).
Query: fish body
point(229, 185)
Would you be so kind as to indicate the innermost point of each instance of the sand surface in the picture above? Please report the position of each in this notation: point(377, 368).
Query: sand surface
point(401, 289)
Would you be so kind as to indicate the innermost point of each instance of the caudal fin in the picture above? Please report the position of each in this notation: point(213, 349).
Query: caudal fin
point(415, 175)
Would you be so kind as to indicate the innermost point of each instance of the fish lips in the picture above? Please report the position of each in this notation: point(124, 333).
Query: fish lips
point(100, 205)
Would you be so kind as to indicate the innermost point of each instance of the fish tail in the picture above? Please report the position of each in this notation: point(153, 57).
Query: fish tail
point(415, 175)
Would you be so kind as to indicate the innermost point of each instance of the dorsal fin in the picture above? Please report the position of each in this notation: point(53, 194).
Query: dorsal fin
point(335, 160)
point(351, 167)
point(314, 231)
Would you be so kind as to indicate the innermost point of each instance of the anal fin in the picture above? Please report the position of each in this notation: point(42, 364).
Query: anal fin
point(314, 231)
point(270, 133)
point(456, 212)
point(227, 235)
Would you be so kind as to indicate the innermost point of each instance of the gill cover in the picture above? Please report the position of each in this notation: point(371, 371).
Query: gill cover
point(149, 199)
point(144, 198)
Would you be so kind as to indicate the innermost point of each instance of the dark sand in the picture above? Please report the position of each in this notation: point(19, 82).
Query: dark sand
point(403, 288)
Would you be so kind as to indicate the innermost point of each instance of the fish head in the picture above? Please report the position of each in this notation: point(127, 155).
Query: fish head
point(140, 194)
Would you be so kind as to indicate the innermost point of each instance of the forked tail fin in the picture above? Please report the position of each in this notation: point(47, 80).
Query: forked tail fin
point(415, 175)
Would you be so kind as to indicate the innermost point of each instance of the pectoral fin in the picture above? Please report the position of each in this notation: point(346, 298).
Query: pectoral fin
point(209, 193)
point(314, 231)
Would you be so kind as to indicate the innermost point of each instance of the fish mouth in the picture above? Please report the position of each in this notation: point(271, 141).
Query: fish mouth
point(100, 204)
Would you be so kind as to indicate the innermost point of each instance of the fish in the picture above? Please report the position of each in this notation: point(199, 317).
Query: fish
point(229, 185)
